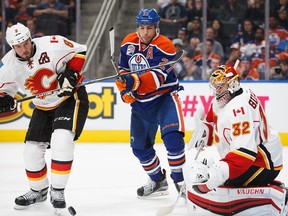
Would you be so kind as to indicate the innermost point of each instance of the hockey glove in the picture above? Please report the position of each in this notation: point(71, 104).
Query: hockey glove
point(7, 103)
point(129, 82)
point(205, 179)
point(67, 81)
point(128, 97)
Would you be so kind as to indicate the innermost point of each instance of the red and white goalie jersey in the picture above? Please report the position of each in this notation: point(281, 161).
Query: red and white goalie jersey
point(243, 135)
point(39, 74)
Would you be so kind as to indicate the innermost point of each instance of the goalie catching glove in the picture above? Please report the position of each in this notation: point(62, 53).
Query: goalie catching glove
point(127, 86)
point(67, 81)
point(206, 178)
point(7, 103)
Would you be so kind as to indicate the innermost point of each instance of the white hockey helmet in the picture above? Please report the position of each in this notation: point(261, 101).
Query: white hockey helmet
point(17, 34)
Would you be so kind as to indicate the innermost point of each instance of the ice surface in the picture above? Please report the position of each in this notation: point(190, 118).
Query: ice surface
point(103, 181)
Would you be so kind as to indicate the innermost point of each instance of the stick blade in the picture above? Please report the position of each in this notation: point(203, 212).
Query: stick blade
point(178, 55)
point(164, 210)
point(112, 42)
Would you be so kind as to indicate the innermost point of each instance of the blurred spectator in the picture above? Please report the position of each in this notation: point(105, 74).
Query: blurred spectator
point(253, 48)
point(258, 62)
point(172, 18)
point(220, 34)
point(194, 28)
point(31, 5)
point(51, 18)
point(31, 25)
point(215, 62)
point(280, 72)
point(276, 32)
point(245, 71)
point(11, 9)
point(217, 46)
point(232, 11)
point(283, 18)
point(255, 11)
point(193, 43)
point(209, 54)
point(182, 34)
point(189, 5)
point(246, 34)
point(234, 55)
point(179, 66)
point(196, 11)
point(282, 50)
point(259, 36)
point(70, 4)
point(174, 12)
point(278, 5)
point(162, 3)
point(192, 72)
point(22, 16)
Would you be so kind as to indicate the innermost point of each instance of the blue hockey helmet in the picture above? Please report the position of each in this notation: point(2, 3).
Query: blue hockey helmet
point(148, 17)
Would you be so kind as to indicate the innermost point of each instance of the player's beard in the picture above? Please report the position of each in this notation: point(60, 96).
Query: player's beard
point(27, 54)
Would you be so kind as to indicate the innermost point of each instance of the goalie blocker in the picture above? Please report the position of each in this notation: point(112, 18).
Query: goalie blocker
point(242, 201)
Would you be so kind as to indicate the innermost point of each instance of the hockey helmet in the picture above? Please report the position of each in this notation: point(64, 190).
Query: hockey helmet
point(17, 34)
point(224, 82)
point(148, 17)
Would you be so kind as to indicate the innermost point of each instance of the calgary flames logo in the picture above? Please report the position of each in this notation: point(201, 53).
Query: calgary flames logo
point(43, 80)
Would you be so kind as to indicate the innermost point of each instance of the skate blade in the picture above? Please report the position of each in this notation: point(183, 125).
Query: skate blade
point(155, 194)
point(19, 207)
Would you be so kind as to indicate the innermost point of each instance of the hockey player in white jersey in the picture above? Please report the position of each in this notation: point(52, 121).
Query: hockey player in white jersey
point(250, 150)
point(37, 66)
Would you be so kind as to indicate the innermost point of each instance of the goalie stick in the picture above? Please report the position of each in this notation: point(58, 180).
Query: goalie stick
point(116, 76)
point(165, 210)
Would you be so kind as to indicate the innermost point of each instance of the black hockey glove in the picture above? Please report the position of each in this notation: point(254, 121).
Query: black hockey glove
point(67, 81)
point(7, 103)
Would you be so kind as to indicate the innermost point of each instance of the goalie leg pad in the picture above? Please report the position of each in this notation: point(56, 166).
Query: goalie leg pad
point(243, 201)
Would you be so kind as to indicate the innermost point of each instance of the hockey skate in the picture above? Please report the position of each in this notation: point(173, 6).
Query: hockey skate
point(30, 198)
point(154, 189)
point(181, 188)
point(57, 198)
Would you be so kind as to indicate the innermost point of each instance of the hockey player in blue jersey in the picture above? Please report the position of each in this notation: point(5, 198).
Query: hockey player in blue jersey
point(154, 99)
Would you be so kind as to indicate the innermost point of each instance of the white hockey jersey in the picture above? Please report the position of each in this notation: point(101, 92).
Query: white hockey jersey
point(243, 135)
point(39, 74)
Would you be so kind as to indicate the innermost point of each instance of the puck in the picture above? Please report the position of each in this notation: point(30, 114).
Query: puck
point(72, 210)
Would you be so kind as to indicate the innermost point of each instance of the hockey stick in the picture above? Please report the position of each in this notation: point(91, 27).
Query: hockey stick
point(236, 64)
point(169, 209)
point(112, 45)
point(116, 76)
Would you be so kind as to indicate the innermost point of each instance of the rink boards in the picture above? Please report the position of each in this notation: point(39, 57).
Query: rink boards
point(109, 118)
